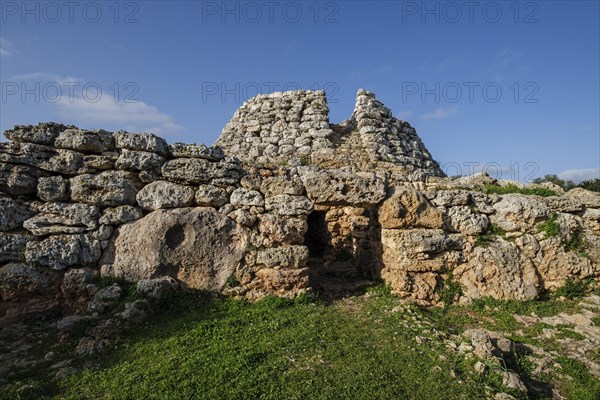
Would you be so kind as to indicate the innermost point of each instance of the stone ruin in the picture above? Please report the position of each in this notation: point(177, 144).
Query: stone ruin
point(285, 203)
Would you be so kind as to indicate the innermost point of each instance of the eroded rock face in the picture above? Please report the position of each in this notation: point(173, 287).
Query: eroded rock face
point(12, 246)
point(409, 208)
point(338, 187)
point(13, 213)
point(19, 180)
point(198, 246)
point(141, 142)
point(498, 270)
point(53, 189)
point(517, 212)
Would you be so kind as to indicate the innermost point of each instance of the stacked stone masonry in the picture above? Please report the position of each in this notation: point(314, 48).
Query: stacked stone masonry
point(76, 205)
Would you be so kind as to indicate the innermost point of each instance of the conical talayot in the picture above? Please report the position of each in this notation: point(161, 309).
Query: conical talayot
point(282, 127)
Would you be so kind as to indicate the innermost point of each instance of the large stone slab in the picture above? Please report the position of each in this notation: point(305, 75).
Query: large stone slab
point(107, 189)
point(339, 187)
point(57, 218)
point(198, 246)
point(97, 141)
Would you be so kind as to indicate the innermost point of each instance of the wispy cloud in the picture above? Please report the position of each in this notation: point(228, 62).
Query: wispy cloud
point(403, 114)
point(5, 47)
point(135, 116)
point(45, 77)
point(440, 113)
point(578, 175)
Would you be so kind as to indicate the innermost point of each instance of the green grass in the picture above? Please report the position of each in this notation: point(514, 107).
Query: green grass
point(583, 386)
point(363, 348)
point(493, 231)
point(512, 188)
point(550, 227)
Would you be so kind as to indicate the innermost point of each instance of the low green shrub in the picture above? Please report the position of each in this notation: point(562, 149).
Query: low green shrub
point(550, 227)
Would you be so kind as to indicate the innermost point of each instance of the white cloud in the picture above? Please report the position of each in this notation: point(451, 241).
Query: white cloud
point(5, 47)
point(452, 62)
point(440, 113)
point(134, 116)
point(578, 175)
point(45, 77)
point(403, 114)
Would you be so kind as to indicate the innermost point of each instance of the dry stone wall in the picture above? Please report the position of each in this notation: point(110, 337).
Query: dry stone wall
point(77, 205)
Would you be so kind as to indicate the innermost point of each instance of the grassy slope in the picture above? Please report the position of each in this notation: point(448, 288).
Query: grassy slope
point(279, 349)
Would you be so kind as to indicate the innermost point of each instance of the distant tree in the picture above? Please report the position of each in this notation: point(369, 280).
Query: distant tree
point(592, 184)
point(566, 185)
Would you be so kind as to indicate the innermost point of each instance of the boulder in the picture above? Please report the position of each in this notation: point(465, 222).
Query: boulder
point(44, 133)
point(97, 141)
point(100, 163)
point(53, 189)
point(63, 251)
point(286, 205)
point(21, 281)
point(517, 212)
point(107, 189)
point(211, 196)
point(462, 219)
point(198, 246)
point(498, 270)
point(162, 194)
point(57, 218)
point(120, 215)
point(78, 282)
point(141, 142)
point(13, 213)
point(157, 289)
point(563, 203)
point(139, 161)
point(340, 187)
point(409, 208)
point(451, 198)
point(587, 197)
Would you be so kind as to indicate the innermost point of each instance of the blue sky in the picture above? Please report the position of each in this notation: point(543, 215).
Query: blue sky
point(528, 72)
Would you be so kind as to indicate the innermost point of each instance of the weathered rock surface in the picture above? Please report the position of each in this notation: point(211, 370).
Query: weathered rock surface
point(107, 189)
point(338, 187)
point(13, 213)
point(120, 215)
point(162, 194)
point(198, 246)
point(141, 142)
point(409, 208)
point(22, 280)
point(139, 161)
point(19, 180)
point(57, 218)
point(53, 189)
point(498, 270)
point(283, 257)
point(280, 230)
point(12, 246)
point(182, 150)
point(63, 251)
point(98, 141)
point(246, 198)
point(44, 133)
point(517, 212)
point(286, 205)
point(211, 196)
